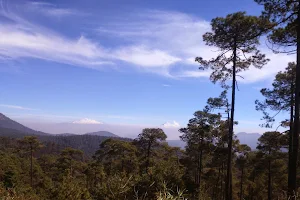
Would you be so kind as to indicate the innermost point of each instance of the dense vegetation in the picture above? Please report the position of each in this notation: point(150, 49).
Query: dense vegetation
point(87, 143)
point(145, 168)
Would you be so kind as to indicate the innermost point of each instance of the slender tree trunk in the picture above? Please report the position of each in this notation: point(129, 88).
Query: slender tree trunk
point(148, 156)
point(290, 192)
point(222, 178)
point(216, 193)
point(293, 167)
point(269, 181)
point(200, 168)
point(252, 189)
point(31, 167)
point(71, 168)
point(200, 163)
point(241, 183)
point(229, 156)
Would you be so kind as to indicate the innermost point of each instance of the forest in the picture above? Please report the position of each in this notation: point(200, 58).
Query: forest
point(213, 165)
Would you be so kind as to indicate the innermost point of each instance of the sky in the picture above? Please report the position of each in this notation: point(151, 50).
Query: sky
point(118, 62)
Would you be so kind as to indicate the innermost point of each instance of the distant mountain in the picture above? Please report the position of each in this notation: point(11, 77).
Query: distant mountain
point(64, 134)
point(176, 143)
point(89, 144)
point(103, 133)
point(250, 139)
point(8, 123)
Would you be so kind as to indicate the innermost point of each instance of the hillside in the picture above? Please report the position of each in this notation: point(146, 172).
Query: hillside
point(88, 143)
point(8, 123)
point(103, 133)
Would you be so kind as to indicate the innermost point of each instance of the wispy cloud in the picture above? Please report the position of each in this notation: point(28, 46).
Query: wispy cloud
point(180, 35)
point(195, 74)
point(278, 62)
point(162, 42)
point(166, 85)
point(15, 107)
point(18, 42)
point(145, 57)
point(161, 39)
point(50, 9)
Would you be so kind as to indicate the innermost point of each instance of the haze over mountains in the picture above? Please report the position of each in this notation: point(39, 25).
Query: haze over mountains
point(9, 127)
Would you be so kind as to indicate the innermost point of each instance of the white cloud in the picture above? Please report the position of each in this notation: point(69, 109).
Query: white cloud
point(86, 121)
point(162, 40)
point(180, 35)
point(15, 107)
point(166, 85)
point(195, 74)
point(18, 42)
point(173, 124)
point(277, 63)
point(143, 56)
point(174, 32)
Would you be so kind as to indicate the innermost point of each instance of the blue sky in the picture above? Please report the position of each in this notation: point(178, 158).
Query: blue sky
point(117, 62)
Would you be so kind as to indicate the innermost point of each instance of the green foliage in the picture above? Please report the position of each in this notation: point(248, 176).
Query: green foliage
point(71, 188)
point(237, 33)
point(280, 97)
point(117, 156)
point(283, 14)
point(117, 169)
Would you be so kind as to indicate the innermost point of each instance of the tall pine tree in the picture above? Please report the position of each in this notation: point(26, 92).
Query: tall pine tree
point(236, 36)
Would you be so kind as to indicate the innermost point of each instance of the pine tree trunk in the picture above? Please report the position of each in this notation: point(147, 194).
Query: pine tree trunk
point(269, 181)
point(148, 156)
point(293, 167)
point(200, 168)
point(71, 168)
point(252, 189)
point(31, 167)
point(241, 183)
point(200, 165)
point(222, 178)
point(290, 192)
point(216, 193)
point(229, 156)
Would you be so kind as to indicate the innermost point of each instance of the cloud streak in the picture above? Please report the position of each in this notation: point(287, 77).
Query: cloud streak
point(50, 9)
point(18, 42)
point(15, 107)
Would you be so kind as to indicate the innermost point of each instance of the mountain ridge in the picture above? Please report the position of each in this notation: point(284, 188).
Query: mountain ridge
point(102, 133)
point(6, 122)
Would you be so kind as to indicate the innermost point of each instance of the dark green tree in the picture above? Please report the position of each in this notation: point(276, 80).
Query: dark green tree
point(270, 144)
point(68, 160)
point(280, 98)
point(198, 136)
point(286, 34)
point(117, 156)
point(236, 36)
point(241, 161)
point(149, 139)
point(31, 144)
